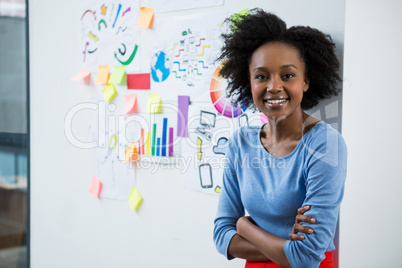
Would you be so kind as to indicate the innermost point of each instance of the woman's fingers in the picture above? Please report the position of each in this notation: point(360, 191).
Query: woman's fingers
point(298, 228)
point(296, 237)
point(300, 211)
point(304, 218)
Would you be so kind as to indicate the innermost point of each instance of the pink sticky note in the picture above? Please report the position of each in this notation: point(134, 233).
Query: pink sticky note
point(182, 116)
point(139, 81)
point(96, 187)
point(81, 75)
point(130, 105)
point(263, 118)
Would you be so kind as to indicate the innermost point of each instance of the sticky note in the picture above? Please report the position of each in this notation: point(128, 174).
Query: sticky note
point(182, 116)
point(109, 92)
point(134, 198)
point(236, 18)
point(146, 17)
point(154, 104)
point(131, 153)
point(81, 75)
point(103, 75)
point(118, 75)
point(139, 81)
point(130, 105)
point(218, 189)
point(263, 118)
point(96, 187)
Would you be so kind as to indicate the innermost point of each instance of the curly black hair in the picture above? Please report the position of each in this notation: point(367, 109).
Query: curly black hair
point(258, 28)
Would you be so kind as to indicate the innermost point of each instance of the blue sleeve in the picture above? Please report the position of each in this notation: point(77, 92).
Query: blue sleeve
point(230, 207)
point(325, 173)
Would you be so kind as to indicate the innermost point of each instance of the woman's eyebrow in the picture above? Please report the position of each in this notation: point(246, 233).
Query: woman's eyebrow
point(259, 68)
point(288, 65)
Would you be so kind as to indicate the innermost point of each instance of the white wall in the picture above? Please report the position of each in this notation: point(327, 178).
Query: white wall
point(71, 228)
point(371, 212)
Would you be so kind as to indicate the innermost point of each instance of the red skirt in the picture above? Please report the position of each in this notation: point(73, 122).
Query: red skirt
point(328, 262)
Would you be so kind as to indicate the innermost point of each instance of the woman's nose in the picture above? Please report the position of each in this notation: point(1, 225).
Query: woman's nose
point(274, 84)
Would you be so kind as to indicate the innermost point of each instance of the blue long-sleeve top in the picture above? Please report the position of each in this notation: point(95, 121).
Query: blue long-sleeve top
point(271, 189)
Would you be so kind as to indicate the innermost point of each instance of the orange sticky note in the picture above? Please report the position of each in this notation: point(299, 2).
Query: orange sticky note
point(103, 75)
point(96, 187)
point(130, 103)
point(81, 75)
point(146, 17)
point(131, 153)
point(134, 198)
point(109, 92)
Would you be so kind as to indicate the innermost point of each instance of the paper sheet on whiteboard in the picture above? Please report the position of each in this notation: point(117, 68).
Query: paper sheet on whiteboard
point(183, 54)
point(204, 149)
point(109, 35)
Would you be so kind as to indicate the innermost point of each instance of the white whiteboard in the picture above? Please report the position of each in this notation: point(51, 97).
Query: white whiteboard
point(71, 228)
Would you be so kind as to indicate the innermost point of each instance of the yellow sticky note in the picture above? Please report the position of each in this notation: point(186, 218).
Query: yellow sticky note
point(96, 186)
point(218, 189)
point(236, 18)
point(130, 105)
point(109, 92)
point(103, 75)
point(81, 75)
point(146, 17)
point(118, 75)
point(154, 104)
point(134, 198)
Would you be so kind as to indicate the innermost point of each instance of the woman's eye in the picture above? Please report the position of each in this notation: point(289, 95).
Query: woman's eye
point(288, 76)
point(260, 77)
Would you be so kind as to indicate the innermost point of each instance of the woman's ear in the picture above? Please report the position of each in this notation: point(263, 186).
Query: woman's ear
point(306, 83)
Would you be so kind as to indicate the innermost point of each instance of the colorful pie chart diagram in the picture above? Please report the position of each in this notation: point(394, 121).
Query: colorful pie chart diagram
point(223, 104)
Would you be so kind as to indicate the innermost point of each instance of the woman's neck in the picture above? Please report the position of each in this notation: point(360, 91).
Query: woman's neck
point(292, 127)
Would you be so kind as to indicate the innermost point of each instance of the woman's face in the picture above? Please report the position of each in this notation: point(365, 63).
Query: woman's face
point(277, 78)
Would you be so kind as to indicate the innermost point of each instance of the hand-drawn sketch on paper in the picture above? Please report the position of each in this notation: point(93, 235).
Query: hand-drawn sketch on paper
point(108, 34)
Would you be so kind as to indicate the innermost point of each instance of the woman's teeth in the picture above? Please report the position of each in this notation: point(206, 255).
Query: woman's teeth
point(275, 101)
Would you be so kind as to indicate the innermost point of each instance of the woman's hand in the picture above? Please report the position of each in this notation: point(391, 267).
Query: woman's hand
point(297, 227)
point(245, 221)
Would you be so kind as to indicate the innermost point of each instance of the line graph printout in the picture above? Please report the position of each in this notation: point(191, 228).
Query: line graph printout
point(183, 54)
point(170, 5)
point(108, 34)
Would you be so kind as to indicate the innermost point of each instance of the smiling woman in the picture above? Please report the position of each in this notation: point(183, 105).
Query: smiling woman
point(281, 72)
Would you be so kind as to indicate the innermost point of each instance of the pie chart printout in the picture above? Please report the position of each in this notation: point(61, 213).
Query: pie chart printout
point(223, 104)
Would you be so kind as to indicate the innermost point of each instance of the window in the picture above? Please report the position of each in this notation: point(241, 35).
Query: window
point(14, 135)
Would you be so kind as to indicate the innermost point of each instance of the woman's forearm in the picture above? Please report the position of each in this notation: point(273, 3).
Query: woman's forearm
point(241, 248)
point(268, 244)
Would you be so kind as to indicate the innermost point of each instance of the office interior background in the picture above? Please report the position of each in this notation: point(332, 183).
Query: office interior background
point(47, 217)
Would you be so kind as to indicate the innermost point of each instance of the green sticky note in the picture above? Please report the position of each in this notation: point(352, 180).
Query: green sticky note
point(236, 18)
point(109, 92)
point(154, 104)
point(134, 198)
point(118, 75)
